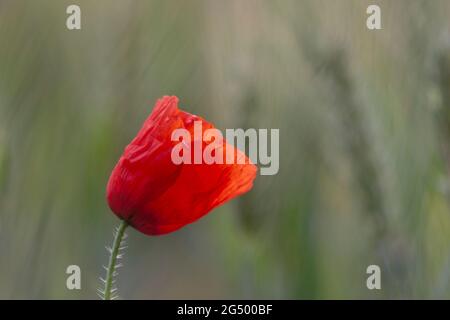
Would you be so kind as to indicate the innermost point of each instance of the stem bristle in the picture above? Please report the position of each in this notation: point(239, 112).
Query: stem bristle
point(109, 292)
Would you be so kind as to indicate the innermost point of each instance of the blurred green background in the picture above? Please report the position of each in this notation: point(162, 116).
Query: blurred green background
point(364, 119)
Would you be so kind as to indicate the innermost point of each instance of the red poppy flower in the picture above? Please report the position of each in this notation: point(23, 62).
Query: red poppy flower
point(155, 195)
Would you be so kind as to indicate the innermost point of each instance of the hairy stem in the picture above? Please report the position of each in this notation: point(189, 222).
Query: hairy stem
point(110, 271)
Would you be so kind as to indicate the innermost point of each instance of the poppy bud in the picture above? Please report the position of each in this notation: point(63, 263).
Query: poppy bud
point(154, 194)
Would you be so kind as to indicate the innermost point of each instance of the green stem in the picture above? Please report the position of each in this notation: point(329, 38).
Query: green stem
point(113, 259)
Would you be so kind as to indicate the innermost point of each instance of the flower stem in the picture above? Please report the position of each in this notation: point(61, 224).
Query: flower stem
point(110, 272)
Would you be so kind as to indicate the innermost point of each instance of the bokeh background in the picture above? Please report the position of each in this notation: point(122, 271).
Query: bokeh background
point(364, 119)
